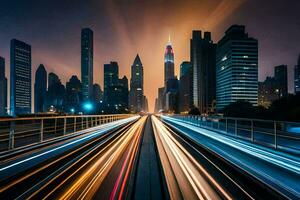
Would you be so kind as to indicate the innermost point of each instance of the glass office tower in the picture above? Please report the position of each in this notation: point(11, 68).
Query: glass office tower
point(20, 78)
point(237, 68)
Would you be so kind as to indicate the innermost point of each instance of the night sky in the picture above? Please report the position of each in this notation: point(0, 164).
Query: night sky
point(124, 28)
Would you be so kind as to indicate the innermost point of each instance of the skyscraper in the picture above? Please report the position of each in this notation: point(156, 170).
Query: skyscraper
point(169, 62)
point(203, 59)
point(281, 78)
point(87, 63)
point(145, 104)
point(268, 91)
point(73, 95)
point(185, 68)
point(237, 68)
point(115, 89)
point(3, 88)
point(40, 89)
point(171, 95)
point(123, 94)
point(273, 88)
point(297, 76)
point(185, 87)
point(136, 85)
point(160, 99)
point(20, 78)
point(111, 77)
point(55, 93)
point(156, 108)
point(97, 93)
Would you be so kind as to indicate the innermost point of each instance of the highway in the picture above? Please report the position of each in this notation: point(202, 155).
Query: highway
point(135, 158)
point(75, 167)
point(274, 170)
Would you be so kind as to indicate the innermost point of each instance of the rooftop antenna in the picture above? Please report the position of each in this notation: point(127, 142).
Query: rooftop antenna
point(169, 42)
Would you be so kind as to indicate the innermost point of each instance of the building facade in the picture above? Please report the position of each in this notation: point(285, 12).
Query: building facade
point(273, 88)
point(171, 95)
point(136, 86)
point(237, 68)
point(40, 89)
point(160, 99)
point(145, 104)
point(97, 93)
point(73, 99)
point(55, 94)
point(123, 95)
point(185, 87)
point(268, 92)
point(20, 78)
point(116, 95)
point(281, 77)
point(203, 59)
point(111, 77)
point(3, 88)
point(87, 63)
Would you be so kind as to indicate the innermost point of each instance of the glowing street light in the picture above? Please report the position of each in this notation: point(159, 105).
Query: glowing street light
point(88, 106)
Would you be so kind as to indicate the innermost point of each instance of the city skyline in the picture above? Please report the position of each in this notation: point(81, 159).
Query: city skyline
point(60, 52)
point(150, 99)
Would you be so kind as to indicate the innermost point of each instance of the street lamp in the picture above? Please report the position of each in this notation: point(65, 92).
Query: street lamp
point(88, 106)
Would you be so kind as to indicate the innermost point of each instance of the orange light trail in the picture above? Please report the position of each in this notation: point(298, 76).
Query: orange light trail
point(185, 168)
point(87, 184)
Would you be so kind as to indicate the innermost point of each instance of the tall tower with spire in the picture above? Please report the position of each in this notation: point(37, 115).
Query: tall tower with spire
point(136, 95)
point(169, 62)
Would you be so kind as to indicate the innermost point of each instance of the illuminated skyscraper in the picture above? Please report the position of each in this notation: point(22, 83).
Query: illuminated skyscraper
point(281, 77)
point(237, 68)
point(111, 78)
point(20, 77)
point(203, 59)
point(115, 89)
point(3, 88)
point(169, 62)
point(40, 89)
point(87, 63)
point(136, 85)
point(122, 95)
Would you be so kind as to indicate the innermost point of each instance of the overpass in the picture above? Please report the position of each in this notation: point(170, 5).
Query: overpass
point(148, 157)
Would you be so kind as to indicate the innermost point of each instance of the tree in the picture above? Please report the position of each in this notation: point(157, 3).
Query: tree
point(243, 109)
point(194, 111)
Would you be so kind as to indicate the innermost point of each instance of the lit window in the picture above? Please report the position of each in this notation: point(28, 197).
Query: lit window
point(224, 58)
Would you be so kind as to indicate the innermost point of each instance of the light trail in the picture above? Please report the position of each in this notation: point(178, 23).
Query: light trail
point(129, 160)
point(87, 184)
point(63, 146)
point(192, 179)
point(50, 178)
point(252, 149)
point(279, 171)
point(47, 144)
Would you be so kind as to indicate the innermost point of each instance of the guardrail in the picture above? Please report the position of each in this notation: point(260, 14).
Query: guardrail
point(18, 132)
point(276, 134)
